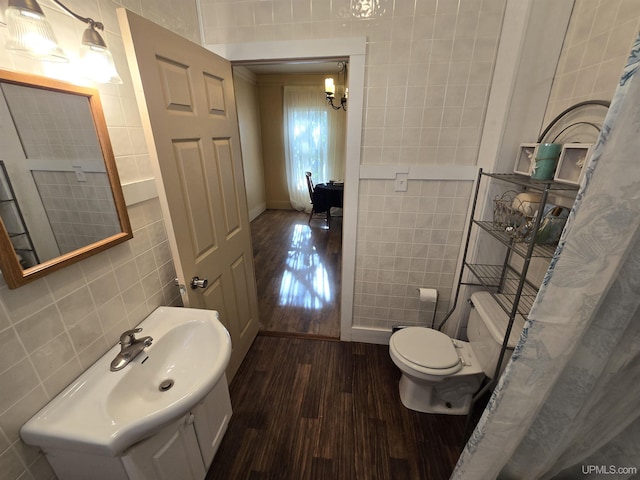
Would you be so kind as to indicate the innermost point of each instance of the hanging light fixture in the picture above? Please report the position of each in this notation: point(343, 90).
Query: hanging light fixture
point(330, 88)
point(96, 57)
point(30, 34)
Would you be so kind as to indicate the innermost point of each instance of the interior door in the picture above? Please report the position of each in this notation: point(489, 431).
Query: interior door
point(186, 100)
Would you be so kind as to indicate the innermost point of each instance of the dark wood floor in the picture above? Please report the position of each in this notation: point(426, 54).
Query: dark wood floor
point(317, 409)
point(298, 272)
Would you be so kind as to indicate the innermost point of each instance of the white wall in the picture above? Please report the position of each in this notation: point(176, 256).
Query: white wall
point(529, 49)
point(545, 65)
point(54, 328)
point(246, 91)
point(595, 49)
point(428, 70)
point(429, 67)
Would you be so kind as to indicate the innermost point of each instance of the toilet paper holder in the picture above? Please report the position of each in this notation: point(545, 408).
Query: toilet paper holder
point(426, 295)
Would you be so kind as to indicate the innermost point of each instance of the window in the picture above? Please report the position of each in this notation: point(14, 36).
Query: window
point(314, 141)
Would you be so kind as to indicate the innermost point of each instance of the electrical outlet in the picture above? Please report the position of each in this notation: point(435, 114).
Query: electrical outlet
point(401, 182)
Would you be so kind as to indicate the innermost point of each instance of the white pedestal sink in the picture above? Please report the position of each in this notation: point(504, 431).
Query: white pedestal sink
point(106, 423)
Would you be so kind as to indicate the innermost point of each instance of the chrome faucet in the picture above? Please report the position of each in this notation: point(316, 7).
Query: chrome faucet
point(130, 348)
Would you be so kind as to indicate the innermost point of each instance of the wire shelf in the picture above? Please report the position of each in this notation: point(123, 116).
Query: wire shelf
point(521, 248)
point(528, 182)
point(489, 276)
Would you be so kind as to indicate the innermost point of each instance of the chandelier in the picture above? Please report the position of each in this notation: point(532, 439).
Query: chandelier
point(330, 88)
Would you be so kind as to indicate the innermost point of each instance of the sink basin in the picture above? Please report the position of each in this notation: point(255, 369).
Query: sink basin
point(105, 412)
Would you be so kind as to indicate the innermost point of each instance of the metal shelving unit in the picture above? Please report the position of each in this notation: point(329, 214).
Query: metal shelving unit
point(14, 223)
point(508, 285)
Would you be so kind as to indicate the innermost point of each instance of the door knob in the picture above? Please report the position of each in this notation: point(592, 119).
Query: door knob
point(199, 282)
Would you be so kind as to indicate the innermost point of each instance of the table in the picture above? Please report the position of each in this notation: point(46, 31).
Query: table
point(326, 196)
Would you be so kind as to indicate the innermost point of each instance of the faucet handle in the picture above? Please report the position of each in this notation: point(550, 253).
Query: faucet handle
point(129, 336)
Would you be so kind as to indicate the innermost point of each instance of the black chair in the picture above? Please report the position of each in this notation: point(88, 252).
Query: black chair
point(314, 211)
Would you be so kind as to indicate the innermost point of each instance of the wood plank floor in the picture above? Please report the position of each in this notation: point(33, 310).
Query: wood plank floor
point(298, 272)
point(317, 409)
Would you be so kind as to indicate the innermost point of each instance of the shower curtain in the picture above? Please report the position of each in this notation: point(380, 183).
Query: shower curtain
point(568, 403)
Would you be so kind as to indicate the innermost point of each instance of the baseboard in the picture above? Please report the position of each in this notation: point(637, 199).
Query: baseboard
point(256, 211)
point(279, 205)
point(358, 334)
point(370, 335)
point(304, 336)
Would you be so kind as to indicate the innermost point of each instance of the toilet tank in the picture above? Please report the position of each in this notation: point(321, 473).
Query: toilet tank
point(485, 330)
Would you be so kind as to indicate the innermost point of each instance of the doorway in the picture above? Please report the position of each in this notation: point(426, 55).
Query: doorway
point(354, 49)
point(298, 257)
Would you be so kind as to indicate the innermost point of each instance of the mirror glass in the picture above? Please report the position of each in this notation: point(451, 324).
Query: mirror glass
point(60, 196)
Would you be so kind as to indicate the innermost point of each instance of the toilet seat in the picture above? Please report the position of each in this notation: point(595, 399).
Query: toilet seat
point(426, 350)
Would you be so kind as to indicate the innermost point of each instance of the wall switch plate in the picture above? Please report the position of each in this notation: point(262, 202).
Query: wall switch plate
point(401, 182)
point(80, 176)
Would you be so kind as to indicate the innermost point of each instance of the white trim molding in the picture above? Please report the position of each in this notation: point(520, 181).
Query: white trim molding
point(419, 172)
point(370, 335)
point(139, 191)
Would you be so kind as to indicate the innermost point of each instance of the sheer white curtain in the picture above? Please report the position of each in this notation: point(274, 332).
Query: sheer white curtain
point(314, 141)
point(567, 405)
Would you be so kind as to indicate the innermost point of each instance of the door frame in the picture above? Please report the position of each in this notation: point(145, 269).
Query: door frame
point(354, 49)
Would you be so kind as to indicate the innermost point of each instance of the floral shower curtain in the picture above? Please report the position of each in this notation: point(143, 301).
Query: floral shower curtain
point(568, 403)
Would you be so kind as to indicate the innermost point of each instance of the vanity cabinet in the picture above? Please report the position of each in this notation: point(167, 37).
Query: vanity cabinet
point(182, 449)
point(171, 453)
point(211, 419)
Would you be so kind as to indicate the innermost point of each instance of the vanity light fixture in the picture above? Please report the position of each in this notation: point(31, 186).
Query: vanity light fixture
point(96, 57)
point(330, 88)
point(31, 34)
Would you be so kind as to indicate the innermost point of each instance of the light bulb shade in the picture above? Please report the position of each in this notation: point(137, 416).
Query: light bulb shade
point(329, 86)
point(98, 65)
point(93, 38)
point(30, 34)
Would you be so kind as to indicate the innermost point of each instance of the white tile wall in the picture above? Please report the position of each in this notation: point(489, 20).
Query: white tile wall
point(54, 328)
point(407, 240)
point(429, 65)
point(80, 212)
point(595, 49)
point(44, 120)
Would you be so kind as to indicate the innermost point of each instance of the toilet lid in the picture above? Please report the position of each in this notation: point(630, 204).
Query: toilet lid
point(425, 347)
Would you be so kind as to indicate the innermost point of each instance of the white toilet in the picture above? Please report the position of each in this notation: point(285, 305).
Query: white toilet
point(440, 374)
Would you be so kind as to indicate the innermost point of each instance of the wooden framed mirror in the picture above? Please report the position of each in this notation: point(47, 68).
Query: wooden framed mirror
point(60, 195)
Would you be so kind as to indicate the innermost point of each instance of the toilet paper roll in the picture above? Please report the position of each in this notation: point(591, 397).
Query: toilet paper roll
point(428, 302)
point(428, 295)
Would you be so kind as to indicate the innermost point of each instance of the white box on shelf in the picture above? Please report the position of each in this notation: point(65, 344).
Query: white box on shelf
point(573, 158)
point(525, 158)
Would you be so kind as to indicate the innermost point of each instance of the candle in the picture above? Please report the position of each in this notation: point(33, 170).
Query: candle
point(329, 87)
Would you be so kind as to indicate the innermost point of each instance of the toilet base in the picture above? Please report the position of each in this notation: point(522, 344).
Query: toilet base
point(451, 396)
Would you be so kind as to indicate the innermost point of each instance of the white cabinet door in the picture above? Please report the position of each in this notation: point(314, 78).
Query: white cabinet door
point(212, 418)
point(171, 454)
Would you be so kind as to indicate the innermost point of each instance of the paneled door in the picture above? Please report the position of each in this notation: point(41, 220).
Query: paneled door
point(186, 101)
